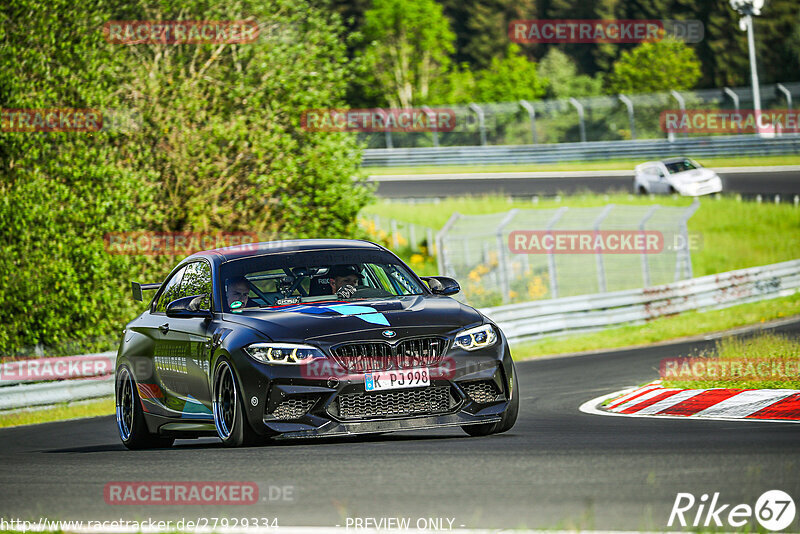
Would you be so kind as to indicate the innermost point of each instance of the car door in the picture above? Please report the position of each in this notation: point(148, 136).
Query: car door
point(659, 183)
point(184, 352)
point(197, 334)
point(169, 352)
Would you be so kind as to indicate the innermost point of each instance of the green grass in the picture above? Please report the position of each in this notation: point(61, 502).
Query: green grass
point(733, 234)
point(757, 362)
point(607, 165)
point(58, 412)
point(664, 329)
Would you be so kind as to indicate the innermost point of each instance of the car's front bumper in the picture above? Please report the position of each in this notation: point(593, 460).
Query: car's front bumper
point(284, 402)
point(696, 189)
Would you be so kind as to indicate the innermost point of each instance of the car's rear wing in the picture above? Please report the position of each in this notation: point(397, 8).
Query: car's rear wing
point(137, 288)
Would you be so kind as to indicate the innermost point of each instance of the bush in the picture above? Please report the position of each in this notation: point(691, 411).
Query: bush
point(217, 147)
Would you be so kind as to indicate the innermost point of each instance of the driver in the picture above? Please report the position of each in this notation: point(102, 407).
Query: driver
point(344, 279)
point(237, 290)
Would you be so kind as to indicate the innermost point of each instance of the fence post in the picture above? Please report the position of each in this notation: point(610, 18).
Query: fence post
point(629, 105)
point(429, 112)
point(412, 236)
point(684, 255)
point(732, 94)
point(681, 104)
point(601, 271)
point(395, 239)
point(734, 97)
point(645, 262)
point(429, 239)
point(532, 117)
point(440, 250)
point(551, 260)
point(782, 88)
point(581, 124)
point(387, 134)
point(481, 122)
point(502, 259)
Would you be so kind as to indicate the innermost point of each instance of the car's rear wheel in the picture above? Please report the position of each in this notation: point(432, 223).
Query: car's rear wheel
point(229, 419)
point(504, 424)
point(130, 417)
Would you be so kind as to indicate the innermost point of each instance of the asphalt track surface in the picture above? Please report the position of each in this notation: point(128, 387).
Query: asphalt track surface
point(556, 468)
point(748, 183)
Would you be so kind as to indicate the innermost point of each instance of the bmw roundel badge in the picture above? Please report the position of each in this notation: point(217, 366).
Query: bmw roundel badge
point(389, 333)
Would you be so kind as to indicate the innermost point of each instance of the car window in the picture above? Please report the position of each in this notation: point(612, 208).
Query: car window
point(314, 277)
point(171, 291)
point(680, 166)
point(197, 281)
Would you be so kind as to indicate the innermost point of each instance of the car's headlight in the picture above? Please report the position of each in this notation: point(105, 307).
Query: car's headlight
point(476, 338)
point(283, 353)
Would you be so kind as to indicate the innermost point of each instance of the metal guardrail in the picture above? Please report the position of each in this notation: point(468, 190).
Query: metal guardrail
point(586, 313)
point(69, 367)
point(524, 321)
point(740, 145)
point(84, 377)
point(47, 393)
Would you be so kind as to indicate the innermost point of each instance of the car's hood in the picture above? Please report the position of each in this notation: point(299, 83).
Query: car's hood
point(695, 175)
point(304, 321)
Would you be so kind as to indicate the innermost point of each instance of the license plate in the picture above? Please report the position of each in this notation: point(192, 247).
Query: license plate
point(407, 378)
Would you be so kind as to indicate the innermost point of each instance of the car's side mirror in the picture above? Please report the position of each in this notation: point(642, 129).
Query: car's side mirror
point(188, 307)
point(442, 285)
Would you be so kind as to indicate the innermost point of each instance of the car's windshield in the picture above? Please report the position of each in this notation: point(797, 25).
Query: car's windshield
point(277, 280)
point(681, 166)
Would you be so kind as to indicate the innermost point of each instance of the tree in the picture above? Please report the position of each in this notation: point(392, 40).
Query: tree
point(219, 147)
point(409, 48)
point(511, 78)
point(655, 66)
point(563, 81)
point(481, 27)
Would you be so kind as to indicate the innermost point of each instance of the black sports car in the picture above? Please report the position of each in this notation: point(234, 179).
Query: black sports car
point(307, 338)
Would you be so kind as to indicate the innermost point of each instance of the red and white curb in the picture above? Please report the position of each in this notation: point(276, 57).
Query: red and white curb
point(775, 405)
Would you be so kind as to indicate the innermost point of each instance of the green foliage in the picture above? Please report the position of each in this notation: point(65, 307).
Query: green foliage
point(218, 147)
point(510, 78)
point(507, 79)
point(410, 46)
point(665, 328)
point(481, 27)
point(563, 80)
point(655, 66)
point(454, 87)
point(760, 365)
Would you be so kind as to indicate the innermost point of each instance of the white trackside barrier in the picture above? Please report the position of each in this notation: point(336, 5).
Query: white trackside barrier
point(583, 313)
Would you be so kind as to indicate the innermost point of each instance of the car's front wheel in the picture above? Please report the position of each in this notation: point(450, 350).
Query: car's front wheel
point(130, 417)
point(229, 419)
point(505, 423)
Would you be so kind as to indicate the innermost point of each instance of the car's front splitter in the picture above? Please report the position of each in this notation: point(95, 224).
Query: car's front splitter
point(289, 430)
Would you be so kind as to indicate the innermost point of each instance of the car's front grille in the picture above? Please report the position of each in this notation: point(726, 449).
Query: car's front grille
point(293, 408)
point(381, 356)
point(481, 392)
point(424, 401)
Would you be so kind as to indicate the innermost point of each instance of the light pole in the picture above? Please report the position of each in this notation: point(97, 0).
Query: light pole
point(749, 9)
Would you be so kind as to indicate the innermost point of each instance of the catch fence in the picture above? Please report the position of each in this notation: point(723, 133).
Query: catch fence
point(476, 251)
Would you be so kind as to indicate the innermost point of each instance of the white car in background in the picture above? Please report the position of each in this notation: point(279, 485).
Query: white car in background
point(676, 175)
